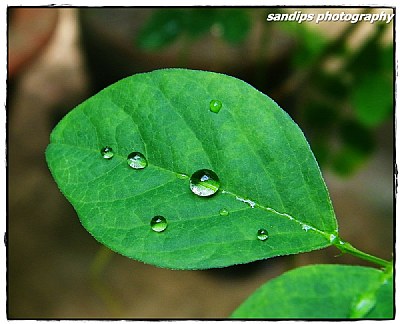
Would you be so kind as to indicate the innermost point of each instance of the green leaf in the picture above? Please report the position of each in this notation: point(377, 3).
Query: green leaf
point(162, 29)
point(269, 178)
point(369, 57)
point(347, 161)
point(323, 291)
point(372, 99)
point(310, 43)
point(235, 24)
point(199, 21)
point(357, 144)
point(387, 59)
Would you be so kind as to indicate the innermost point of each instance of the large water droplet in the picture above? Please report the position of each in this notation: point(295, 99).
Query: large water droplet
point(107, 152)
point(158, 224)
point(215, 106)
point(262, 234)
point(204, 183)
point(136, 160)
point(224, 212)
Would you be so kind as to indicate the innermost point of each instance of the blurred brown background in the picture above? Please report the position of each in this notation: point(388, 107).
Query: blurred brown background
point(58, 57)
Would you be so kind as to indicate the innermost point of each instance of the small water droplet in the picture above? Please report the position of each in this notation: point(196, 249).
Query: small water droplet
point(136, 160)
point(262, 234)
point(332, 238)
point(107, 152)
point(224, 212)
point(158, 224)
point(215, 106)
point(182, 176)
point(204, 183)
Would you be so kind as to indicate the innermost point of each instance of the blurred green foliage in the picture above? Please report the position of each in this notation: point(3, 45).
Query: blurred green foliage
point(308, 45)
point(166, 25)
point(162, 29)
point(343, 109)
point(339, 109)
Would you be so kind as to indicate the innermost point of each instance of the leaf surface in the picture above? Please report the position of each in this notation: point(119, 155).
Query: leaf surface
point(269, 178)
point(323, 291)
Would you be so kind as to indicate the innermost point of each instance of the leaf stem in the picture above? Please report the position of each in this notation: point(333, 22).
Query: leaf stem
point(346, 247)
point(99, 263)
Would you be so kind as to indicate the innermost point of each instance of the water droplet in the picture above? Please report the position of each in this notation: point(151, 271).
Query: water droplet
point(215, 106)
point(158, 224)
point(182, 176)
point(107, 152)
point(136, 160)
point(262, 234)
point(204, 183)
point(332, 238)
point(224, 212)
point(363, 305)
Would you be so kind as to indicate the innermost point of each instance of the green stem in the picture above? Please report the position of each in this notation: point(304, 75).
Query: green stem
point(346, 247)
point(99, 263)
